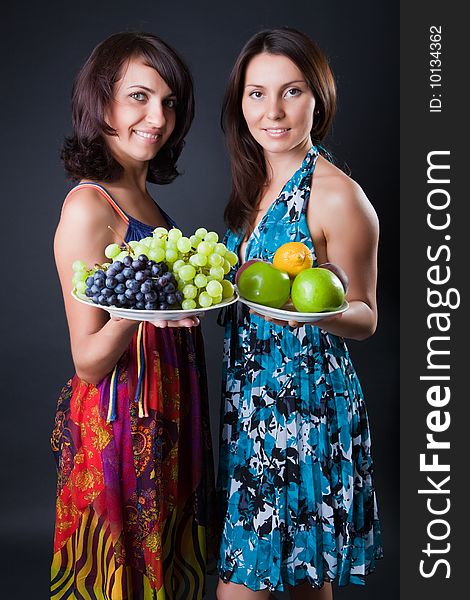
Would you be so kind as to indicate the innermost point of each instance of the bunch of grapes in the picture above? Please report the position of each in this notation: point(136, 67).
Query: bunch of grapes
point(134, 283)
point(184, 272)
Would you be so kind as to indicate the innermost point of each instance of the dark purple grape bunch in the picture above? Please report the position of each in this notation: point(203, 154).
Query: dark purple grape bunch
point(137, 283)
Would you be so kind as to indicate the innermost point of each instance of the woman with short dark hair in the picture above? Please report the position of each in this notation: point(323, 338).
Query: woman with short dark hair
point(135, 483)
point(86, 154)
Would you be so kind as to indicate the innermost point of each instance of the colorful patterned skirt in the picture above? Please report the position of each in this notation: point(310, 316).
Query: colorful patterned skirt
point(135, 495)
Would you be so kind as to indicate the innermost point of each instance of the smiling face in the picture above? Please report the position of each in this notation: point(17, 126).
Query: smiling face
point(277, 104)
point(142, 113)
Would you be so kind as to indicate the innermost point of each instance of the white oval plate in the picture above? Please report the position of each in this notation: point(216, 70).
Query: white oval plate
point(288, 313)
point(153, 315)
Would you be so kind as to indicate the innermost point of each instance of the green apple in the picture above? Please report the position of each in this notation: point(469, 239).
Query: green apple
point(260, 282)
point(245, 265)
point(339, 272)
point(317, 290)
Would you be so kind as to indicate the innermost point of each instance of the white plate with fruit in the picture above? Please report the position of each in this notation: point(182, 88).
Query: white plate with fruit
point(290, 288)
point(154, 315)
point(165, 276)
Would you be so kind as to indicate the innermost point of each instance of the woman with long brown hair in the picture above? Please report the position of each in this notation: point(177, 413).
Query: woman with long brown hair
point(295, 474)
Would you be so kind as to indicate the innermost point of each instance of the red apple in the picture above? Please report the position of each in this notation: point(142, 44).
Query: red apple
point(339, 272)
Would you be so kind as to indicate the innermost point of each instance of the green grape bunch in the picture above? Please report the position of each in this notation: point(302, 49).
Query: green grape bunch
point(199, 264)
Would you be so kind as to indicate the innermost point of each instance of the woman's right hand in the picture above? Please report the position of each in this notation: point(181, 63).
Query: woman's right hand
point(187, 322)
point(161, 324)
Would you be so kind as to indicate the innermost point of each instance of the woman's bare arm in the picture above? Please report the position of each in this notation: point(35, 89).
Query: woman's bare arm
point(97, 342)
point(345, 230)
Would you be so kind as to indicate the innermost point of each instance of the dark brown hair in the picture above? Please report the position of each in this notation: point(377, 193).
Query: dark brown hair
point(85, 153)
point(246, 155)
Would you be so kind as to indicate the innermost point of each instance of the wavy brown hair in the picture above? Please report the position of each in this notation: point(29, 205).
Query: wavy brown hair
point(85, 153)
point(246, 155)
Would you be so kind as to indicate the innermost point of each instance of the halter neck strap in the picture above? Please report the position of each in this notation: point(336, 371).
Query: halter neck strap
point(103, 192)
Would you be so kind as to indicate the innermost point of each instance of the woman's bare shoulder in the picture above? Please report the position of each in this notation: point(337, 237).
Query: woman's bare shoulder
point(83, 227)
point(333, 190)
point(332, 181)
point(85, 205)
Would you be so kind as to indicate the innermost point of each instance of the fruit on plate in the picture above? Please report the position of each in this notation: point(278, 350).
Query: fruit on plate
point(262, 283)
point(245, 265)
point(137, 283)
point(293, 257)
point(162, 271)
point(339, 272)
point(317, 290)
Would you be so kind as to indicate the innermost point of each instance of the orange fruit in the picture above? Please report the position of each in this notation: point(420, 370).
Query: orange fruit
point(293, 257)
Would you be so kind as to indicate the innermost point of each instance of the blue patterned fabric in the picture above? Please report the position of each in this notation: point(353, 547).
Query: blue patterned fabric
point(137, 230)
point(295, 471)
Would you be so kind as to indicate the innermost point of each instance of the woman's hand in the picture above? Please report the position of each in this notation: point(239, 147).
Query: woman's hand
point(161, 324)
point(187, 322)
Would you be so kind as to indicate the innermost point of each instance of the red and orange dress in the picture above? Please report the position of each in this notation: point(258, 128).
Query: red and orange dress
point(135, 508)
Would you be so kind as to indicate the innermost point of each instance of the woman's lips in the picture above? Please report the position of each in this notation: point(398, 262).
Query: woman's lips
point(277, 132)
point(147, 136)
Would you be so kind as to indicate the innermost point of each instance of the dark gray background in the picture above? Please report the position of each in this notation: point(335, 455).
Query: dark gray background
point(44, 44)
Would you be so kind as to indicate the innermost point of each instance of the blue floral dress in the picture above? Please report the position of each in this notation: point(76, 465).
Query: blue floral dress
point(295, 470)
